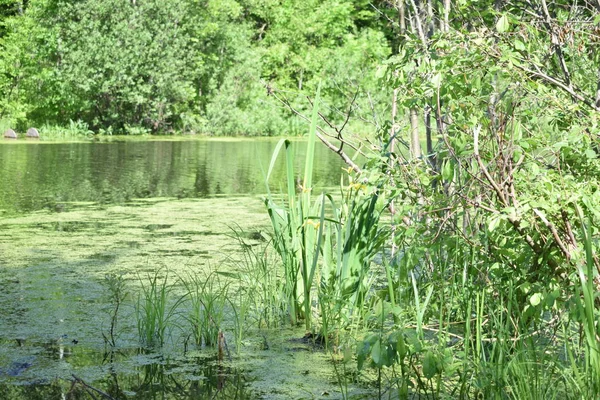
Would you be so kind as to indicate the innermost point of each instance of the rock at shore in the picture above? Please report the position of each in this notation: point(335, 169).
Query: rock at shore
point(32, 133)
point(10, 134)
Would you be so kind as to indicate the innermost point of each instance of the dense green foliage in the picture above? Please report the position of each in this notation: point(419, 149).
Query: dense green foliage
point(461, 260)
point(150, 66)
point(488, 281)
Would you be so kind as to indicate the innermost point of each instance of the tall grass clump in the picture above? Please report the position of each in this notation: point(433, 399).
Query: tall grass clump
point(586, 299)
point(207, 299)
point(156, 309)
point(297, 227)
point(326, 250)
point(260, 288)
point(74, 130)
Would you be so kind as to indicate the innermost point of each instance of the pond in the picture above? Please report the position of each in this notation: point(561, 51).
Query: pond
point(79, 219)
point(51, 175)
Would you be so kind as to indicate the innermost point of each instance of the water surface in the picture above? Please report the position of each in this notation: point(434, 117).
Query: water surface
point(49, 175)
point(74, 214)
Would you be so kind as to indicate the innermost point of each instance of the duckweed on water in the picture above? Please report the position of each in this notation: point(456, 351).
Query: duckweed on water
point(57, 306)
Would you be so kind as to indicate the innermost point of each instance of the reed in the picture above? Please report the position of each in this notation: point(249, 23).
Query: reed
point(589, 317)
point(297, 235)
point(260, 286)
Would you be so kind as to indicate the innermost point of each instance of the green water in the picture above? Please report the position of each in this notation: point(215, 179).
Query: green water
point(51, 175)
point(74, 213)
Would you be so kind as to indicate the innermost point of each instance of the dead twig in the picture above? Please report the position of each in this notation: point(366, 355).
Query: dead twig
point(89, 389)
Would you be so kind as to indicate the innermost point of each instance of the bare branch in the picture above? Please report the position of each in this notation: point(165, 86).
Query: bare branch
point(570, 90)
point(556, 44)
point(484, 169)
point(90, 389)
point(555, 234)
point(321, 135)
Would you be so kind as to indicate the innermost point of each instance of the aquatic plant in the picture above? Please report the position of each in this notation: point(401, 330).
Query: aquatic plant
point(207, 299)
point(337, 247)
point(298, 227)
point(118, 293)
point(258, 273)
point(155, 309)
point(73, 130)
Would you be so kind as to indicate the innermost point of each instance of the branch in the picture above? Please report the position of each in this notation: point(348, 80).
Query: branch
point(321, 135)
point(91, 389)
point(335, 128)
point(512, 219)
point(483, 168)
point(555, 234)
point(568, 89)
point(556, 44)
point(419, 24)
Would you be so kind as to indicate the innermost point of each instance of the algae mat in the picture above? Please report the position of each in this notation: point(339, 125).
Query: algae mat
point(55, 306)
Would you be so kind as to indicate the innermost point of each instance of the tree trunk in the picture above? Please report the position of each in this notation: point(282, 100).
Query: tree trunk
point(428, 134)
point(401, 16)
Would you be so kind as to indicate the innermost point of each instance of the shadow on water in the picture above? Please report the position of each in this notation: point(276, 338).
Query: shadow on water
point(131, 374)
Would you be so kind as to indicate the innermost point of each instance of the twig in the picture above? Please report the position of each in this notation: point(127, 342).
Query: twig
point(483, 168)
point(556, 44)
point(321, 135)
point(512, 219)
point(569, 89)
point(555, 234)
point(89, 387)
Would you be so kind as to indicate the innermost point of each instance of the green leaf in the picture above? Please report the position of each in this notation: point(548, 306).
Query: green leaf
point(519, 45)
point(502, 25)
point(429, 365)
point(590, 154)
point(436, 80)
point(376, 355)
point(535, 299)
point(493, 223)
point(401, 346)
point(447, 170)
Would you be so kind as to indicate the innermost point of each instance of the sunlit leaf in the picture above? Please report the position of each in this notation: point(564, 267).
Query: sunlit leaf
point(502, 25)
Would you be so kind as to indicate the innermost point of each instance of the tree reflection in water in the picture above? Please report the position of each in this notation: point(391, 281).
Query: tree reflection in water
point(192, 378)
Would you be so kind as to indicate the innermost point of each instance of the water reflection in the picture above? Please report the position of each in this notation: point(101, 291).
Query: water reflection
point(51, 175)
point(135, 374)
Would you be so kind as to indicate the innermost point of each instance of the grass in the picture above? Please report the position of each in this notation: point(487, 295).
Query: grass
point(155, 310)
point(441, 321)
point(207, 299)
point(75, 130)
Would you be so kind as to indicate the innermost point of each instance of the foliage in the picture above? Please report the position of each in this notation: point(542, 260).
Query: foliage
point(149, 66)
point(206, 308)
point(493, 225)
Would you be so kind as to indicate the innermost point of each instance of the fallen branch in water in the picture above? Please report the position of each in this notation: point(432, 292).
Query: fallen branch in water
point(88, 388)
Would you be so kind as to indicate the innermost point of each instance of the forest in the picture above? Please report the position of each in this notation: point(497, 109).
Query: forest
point(456, 258)
point(138, 67)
